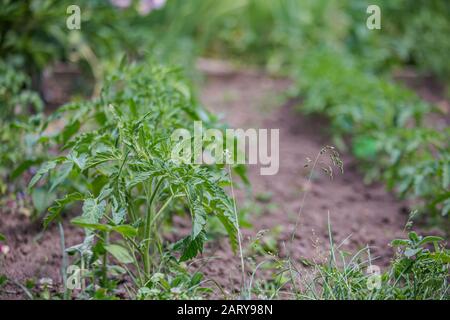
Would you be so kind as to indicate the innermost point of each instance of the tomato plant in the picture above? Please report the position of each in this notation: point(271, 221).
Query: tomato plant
point(118, 162)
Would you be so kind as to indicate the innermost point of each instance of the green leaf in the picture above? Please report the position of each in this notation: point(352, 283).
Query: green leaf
point(45, 168)
point(183, 89)
point(196, 278)
point(413, 236)
point(364, 147)
point(92, 210)
point(230, 227)
point(55, 210)
point(104, 193)
point(85, 223)
point(2, 237)
point(120, 253)
point(118, 214)
point(125, 230)
point(190, 247)
point(409, 252)
point(42, 199)
point(101, 157)
point(399, 242)
point(199, 220)
point(82, 248)
point(429, 239)
point(80, 161)
point(70, 130)
point(241, 170)
point(139, 178)
point(62, 174)
point(3, 280)
point(22, 167)
point(442, 256)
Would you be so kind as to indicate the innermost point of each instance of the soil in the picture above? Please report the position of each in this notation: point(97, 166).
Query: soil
point(359, 214)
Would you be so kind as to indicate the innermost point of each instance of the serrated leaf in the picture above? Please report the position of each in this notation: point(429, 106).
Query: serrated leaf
point(190, 247)
point(101, 157)
point(230, 227)
point(80, 161)
point(92, 210)
point(199, 220)
point(139, 178)
point(118, 215)
point(105, 192)
point(55, 210)
point(83, 248)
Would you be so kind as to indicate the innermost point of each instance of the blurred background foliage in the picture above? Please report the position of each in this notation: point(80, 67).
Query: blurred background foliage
point(340, 68)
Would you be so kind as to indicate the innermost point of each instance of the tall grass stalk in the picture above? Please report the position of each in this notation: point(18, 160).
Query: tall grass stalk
point(239, 234)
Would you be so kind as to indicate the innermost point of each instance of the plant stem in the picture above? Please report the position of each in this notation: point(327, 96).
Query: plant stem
point(302, 204)
point(238, 231)
point(105, 262)
point(64, 261)
point(147, 229)
point(164, 206)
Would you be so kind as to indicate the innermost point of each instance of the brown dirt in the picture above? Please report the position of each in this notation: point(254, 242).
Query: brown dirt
point(368, 214)
point(34, 253)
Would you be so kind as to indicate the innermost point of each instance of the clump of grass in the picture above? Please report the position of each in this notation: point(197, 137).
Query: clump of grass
point(419, 270)
point(416, 273)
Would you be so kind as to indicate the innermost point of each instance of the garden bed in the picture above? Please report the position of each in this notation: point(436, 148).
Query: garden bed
point(360, 214)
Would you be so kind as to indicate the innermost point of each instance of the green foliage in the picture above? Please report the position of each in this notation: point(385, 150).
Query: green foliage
point(357, 102)
point(122, 168)
point(114, 151)
point(417, 272)
point(418, 33)
point(417, 165)
point(386, 121)
point(336, 62)
point(16, 100)
point(34, 32)
point(17, 138)
point(271, 33)
point(179, 284)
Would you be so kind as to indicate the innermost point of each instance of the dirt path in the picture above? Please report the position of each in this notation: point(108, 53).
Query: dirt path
point(368, 215)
